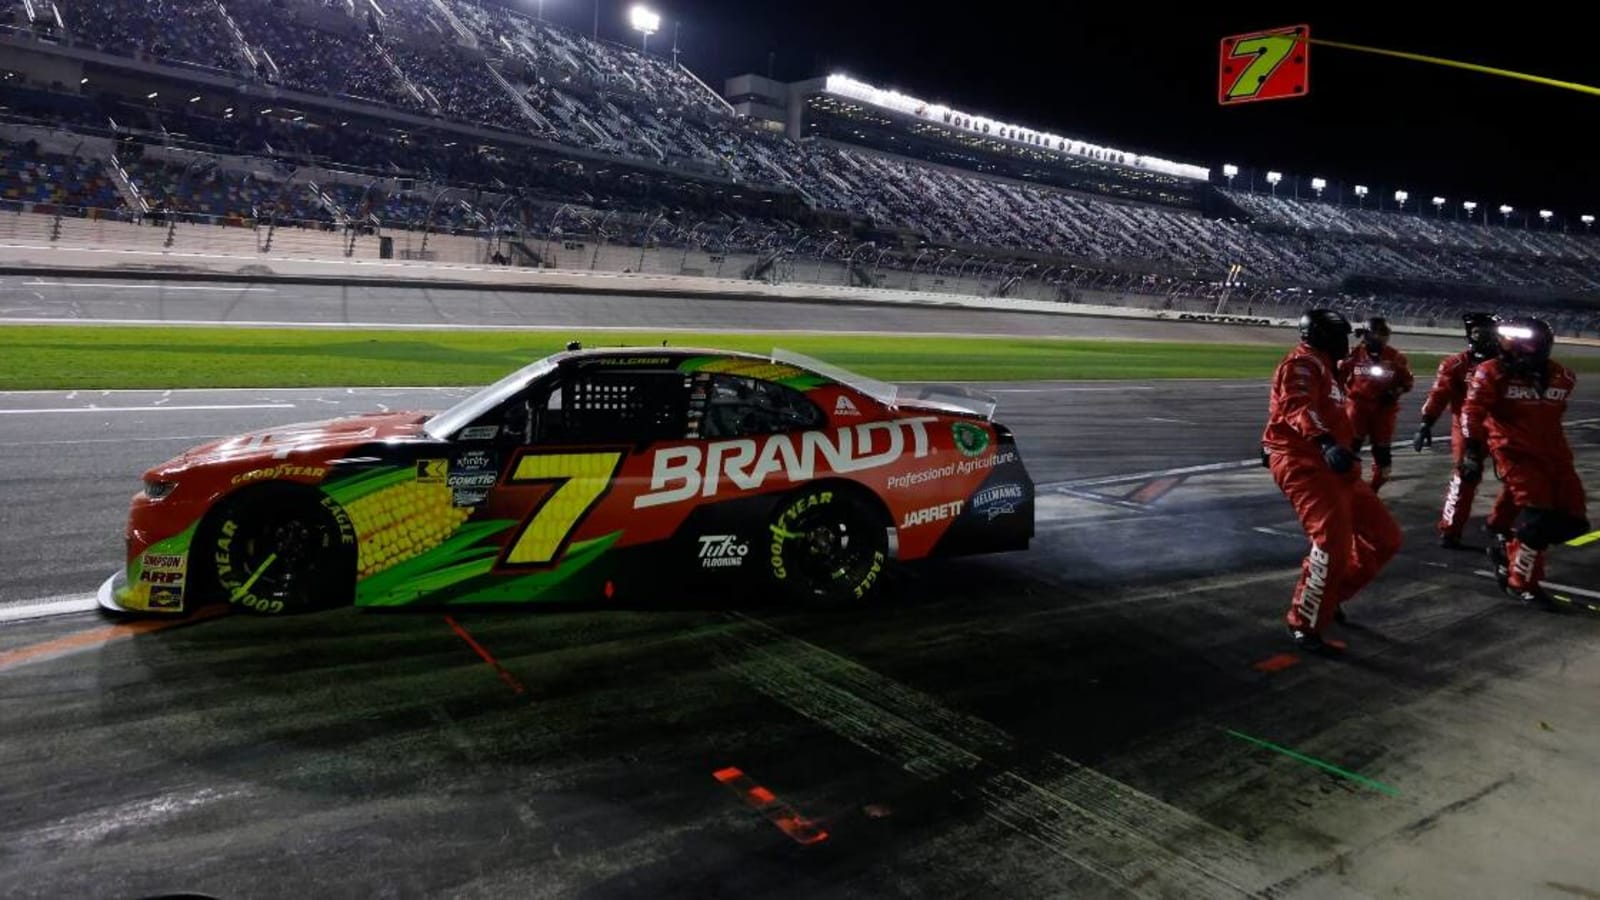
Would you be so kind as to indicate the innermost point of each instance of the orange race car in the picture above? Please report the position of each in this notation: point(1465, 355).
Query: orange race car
point(589, 475)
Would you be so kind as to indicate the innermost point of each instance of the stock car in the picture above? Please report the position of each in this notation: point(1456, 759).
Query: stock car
point(590, 475)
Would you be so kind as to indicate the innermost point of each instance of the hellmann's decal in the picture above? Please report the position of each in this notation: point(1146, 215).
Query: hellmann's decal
point(680, 473)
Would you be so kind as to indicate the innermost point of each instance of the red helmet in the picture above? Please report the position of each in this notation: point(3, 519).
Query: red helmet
point(1525, 342)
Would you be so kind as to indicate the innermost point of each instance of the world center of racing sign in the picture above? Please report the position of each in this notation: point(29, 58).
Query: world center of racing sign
point(1265, 65)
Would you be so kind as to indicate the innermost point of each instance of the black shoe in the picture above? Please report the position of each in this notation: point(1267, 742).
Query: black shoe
point(1499, 561)
point(1311, 642)
point(1450, 542)
point(1535, 597)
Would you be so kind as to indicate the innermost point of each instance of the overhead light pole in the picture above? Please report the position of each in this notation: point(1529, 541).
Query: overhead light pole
point(646, 21)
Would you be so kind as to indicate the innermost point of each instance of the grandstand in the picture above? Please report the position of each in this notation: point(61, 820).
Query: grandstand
point(470, 117)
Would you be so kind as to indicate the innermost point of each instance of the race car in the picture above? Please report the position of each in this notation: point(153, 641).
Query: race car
point(603, 475)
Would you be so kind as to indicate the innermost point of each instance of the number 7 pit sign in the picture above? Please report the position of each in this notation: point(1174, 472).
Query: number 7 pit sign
point(1265, 65)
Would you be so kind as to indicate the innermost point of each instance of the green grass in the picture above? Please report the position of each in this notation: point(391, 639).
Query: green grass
point(107, 357)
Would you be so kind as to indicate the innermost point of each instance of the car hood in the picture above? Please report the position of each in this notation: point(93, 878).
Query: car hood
point(302, 442)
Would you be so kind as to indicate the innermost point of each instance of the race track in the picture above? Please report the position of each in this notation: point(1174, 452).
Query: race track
point(35, 299)
point(1114, 712)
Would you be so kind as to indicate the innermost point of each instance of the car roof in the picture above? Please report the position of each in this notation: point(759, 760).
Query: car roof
point(647, 350)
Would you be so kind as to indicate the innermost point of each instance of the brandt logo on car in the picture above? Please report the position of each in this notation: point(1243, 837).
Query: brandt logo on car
point(722, 551)
point(997, 500)
point(681, 473)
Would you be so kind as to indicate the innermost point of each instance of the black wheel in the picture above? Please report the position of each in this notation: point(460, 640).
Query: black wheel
point(281, 554)
point(827, 547)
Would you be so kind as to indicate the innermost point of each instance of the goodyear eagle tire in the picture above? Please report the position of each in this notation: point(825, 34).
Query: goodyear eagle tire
point(826, 548)
point(280, 555)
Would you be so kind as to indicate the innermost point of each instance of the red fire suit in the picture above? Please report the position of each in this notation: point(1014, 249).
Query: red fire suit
point(1518, 418)
point(1352, 533)
point(1449, 391)
point(1373, 385)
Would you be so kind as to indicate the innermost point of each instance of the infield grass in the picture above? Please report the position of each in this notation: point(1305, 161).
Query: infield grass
point(160, 357)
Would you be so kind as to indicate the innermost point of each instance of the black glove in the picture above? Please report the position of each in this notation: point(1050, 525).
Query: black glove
point(1266, 458)
point(1471, 465)
point(1389, 397)
point(1424, 436)
point(1339, 457)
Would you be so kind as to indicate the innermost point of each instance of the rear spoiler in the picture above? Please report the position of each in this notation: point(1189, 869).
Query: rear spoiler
point(949, 397)
point(953, 397)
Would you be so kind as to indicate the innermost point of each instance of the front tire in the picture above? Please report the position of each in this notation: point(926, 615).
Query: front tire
point(281, 555)
point(827, 548)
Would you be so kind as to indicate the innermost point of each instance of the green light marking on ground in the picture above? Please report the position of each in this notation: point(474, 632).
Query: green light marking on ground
point(1378, 786)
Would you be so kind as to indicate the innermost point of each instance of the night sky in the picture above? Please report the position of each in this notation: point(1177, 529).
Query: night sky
point(1142, 77)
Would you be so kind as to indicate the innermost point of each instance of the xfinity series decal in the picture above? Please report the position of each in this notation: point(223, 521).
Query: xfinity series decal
point(680, 473)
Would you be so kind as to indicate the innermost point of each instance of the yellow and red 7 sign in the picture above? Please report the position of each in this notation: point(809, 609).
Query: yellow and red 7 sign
point(1265, 65)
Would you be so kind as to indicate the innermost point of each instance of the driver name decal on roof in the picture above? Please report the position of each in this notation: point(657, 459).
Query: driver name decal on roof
point(680, 473)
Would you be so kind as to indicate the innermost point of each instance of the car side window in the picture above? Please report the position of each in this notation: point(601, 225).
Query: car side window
point(613, 407)
point(727, 406)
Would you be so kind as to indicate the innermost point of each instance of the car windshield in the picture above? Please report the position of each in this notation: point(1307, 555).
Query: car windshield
point(444, 425)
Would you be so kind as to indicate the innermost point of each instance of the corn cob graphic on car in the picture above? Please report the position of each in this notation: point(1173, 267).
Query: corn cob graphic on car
point(605, 475)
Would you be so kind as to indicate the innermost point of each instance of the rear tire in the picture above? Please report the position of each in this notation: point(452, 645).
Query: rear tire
point(827, 547)
point(280, 554)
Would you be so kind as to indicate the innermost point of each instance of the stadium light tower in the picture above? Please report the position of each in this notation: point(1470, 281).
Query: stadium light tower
point(1228, 171)
point(646, 21)
point(1273, 178)
point(1401, 197)
point(1438, 207)
point(1469, 206)
point(1544, 215)
point(1361, 194)
point(1588, 221)
point(1505, 214)
point(1317, 184)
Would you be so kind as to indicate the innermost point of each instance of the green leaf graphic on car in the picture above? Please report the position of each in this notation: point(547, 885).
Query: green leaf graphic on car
point(970, 439)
